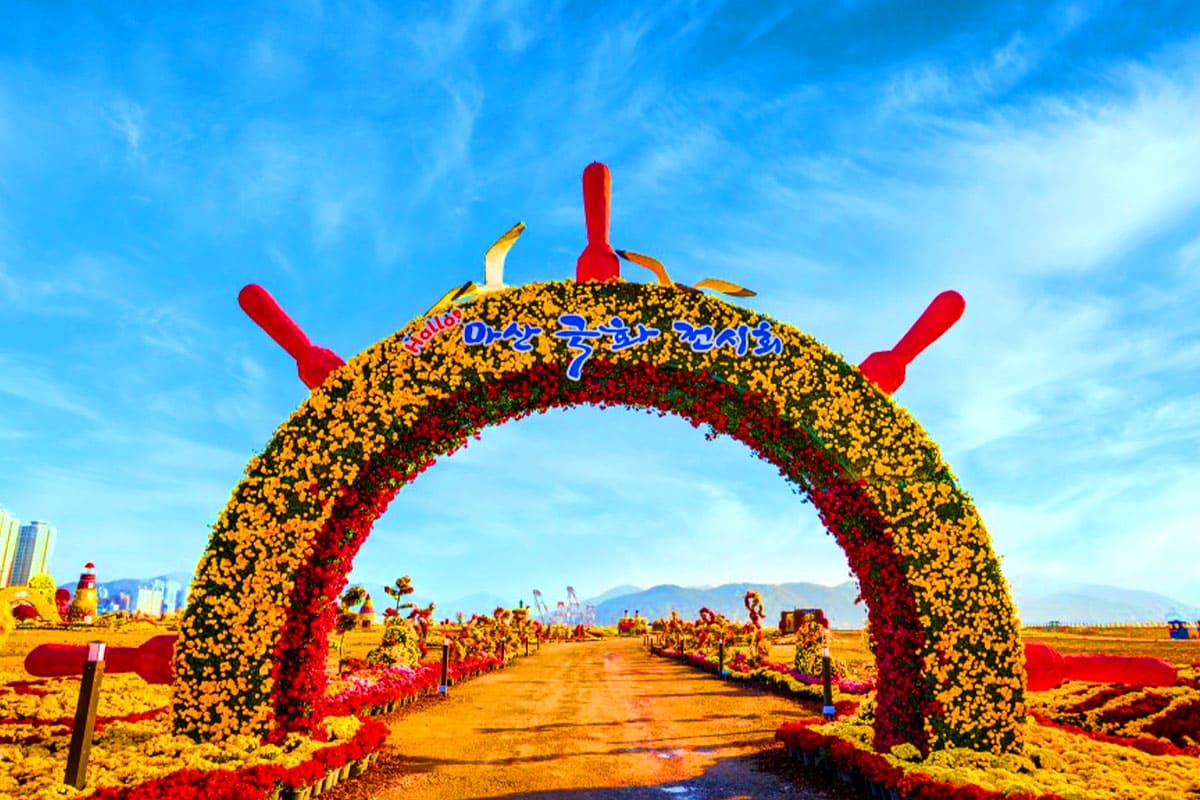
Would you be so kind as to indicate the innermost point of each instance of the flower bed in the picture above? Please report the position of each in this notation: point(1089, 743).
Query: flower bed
point(144, 760)
point(779, 678)
point(1157, 717)
point(373, 689)
point(36, 717)
point(40, 710)
point(1059, 760)
point(1055, 765)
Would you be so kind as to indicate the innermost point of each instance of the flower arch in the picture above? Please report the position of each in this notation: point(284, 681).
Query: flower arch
point(251, 655)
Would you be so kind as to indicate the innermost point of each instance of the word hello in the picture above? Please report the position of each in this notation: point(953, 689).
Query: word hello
point(433, 327)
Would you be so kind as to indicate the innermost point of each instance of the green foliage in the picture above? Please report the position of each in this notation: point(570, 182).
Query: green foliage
point(810, 640)
point(402, 587)
point(44, 585)
point(347, 619)
point(400, 644)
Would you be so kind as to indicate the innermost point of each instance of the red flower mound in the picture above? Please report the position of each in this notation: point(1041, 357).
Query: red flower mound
point(1181, 721)
point(1147, 705)
point(1099, 699)
point(1154, 747)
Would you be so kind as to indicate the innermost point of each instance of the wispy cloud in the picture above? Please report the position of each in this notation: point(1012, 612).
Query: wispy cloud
point(37, 385)
point(129, 120)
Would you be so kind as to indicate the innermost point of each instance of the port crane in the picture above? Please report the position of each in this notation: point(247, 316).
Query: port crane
point(574, 609)
point(543, 611)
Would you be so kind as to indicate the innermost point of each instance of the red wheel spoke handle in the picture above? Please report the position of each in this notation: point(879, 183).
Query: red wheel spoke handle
point(313, 363)
point(598, 261)
point(886, 369)
point(153, 660)
point(1046, 668)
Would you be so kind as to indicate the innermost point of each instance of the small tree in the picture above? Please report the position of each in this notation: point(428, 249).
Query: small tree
point(347, 619)
point(759, 649)
point(400, 643)
point(43, 584)
point(402, 587)
point(812, 636)
point(422, 620)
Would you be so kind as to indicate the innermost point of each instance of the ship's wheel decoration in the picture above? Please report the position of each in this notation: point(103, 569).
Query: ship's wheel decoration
point(251, 654)
point(598, 262)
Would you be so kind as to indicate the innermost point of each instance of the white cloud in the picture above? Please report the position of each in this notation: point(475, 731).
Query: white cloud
point(1062, 189)
point(916, 86)
point(129, 120)
point(329, 216)
point(1005, 66)
point(1122, 529)
point(1189, 260)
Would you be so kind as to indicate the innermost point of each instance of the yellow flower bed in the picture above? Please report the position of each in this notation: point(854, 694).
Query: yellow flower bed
point(123, 694)
point(130, 753)
point(1053, 761)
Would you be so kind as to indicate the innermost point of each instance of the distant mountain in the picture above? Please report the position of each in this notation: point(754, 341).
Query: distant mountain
point(616, 591)
point(482, 603)
point(660, 601)
point(1041, 599)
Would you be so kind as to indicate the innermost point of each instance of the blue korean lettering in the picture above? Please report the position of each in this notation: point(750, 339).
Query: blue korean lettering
point(768, 342)
point(736, 338)
point(477, 333)
point(576, 333)
point(521, 336)
point(623, 337)
point(700, 339)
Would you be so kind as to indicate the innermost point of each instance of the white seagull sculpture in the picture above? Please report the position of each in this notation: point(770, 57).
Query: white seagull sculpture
point(655, 266)
point(493, 273)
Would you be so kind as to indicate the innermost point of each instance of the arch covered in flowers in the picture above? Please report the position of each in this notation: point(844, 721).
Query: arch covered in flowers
point(252, 651)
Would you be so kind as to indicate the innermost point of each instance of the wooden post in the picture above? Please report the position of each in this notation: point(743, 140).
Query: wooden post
point(721, 658)
point(445, 666)
point(827, 680)
point(85, 716)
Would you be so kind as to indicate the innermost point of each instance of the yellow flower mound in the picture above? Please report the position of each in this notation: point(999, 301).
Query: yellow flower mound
point(970, 657)
point(1053, 761)
point(122, 694)
point(130, 753)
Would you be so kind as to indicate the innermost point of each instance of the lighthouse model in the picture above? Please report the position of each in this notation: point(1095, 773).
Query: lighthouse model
point(366, 614)
point(83, 605)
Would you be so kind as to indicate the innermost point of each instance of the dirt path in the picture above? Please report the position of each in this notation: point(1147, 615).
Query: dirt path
point(593, 721)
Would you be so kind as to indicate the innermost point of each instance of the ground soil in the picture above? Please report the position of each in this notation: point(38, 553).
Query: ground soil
point(593, 721)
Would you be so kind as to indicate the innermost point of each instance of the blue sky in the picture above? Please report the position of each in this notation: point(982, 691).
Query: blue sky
point(847, 161)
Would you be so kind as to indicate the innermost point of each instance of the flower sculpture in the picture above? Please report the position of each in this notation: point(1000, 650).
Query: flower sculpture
point(251, 657)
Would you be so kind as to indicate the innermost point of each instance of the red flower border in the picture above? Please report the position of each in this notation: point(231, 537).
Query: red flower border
point(871, 768)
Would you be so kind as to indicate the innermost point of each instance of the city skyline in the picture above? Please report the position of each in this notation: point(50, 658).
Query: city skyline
point(847, 162)
point(24, 549)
